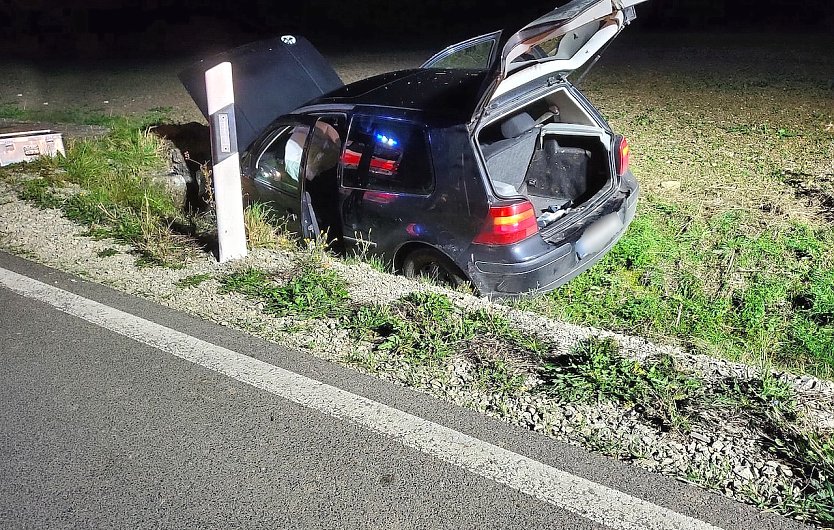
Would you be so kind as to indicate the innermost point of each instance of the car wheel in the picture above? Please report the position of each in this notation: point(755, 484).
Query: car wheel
point(429, 263)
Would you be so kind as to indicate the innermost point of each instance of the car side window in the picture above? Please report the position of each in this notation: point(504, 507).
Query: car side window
point(387, 155)
point(475, 57)
point(279, 165)
point(325, 148)
point(474, 54)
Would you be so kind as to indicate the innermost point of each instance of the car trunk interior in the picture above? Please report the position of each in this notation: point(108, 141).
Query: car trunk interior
point(550, 151)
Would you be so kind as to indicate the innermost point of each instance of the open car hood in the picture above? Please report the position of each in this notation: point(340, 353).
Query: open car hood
point(558, 43)
point(271, 78)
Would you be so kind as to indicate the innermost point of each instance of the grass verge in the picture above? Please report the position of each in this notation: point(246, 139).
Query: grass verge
point(428, 328)
point(264, 229)
point(78, 115)
point(719, 285)
point(193, 280)
point(595, 370)
point(103, 183)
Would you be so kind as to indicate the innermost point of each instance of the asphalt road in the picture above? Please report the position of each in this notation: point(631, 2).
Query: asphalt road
point(101, 430)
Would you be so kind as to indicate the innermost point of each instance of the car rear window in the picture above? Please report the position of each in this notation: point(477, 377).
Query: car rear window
point(387, 155)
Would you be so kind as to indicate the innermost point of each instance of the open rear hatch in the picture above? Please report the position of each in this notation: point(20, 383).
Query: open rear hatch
point(538, 136)
point(271, 78)
point(555, 45)
point(551, 46)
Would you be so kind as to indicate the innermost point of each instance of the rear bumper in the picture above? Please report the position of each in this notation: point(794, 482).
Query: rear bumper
point(562, 261)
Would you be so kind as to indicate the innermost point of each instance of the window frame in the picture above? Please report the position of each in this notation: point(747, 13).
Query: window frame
point(283, 128)
point(318, 116)
point(495, 37)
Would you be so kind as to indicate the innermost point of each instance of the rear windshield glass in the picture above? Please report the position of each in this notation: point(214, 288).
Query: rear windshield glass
point(559, 45)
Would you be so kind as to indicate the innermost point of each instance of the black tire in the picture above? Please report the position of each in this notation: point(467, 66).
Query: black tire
point(429, 263)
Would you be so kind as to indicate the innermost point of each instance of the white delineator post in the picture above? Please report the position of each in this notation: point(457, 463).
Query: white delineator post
point(228, 196)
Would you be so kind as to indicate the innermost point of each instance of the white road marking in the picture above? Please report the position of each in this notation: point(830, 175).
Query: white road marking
point(593, 501)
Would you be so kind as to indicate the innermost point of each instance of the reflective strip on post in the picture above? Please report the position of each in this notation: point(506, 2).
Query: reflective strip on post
point(228, 196)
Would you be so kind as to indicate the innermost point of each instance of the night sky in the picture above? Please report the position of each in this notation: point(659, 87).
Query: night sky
point(185, 27)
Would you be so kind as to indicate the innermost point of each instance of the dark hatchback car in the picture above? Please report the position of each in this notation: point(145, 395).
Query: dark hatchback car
point(485, 164)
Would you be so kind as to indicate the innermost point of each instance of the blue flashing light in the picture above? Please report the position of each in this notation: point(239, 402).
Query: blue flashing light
point(390, 142)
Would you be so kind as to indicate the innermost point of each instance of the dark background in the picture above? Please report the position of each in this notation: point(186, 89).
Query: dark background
point(102, 28)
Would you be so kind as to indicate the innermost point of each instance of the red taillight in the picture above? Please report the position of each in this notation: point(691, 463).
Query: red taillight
point(623, 156)
point(508, 224)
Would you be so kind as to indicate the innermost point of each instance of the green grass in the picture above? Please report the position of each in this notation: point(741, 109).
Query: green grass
point(361, 253)
point(79, 115)
point(375, 262)
point(674, 399)
point(497, 375)
point(811, 457)
point(82, 116)
point(762, 396)
point(715, 285)
point(595, 370)
point(40, 191)
point(421, 329)
point(314, 292)
point(107, 252)
point(265, 229)
point(113, 196)
point(193, 280)
point(429, 329)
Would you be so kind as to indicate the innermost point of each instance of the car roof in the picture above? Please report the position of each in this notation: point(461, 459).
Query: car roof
point(451, 93)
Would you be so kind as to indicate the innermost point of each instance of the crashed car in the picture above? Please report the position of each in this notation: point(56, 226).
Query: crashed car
point(486, 164)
